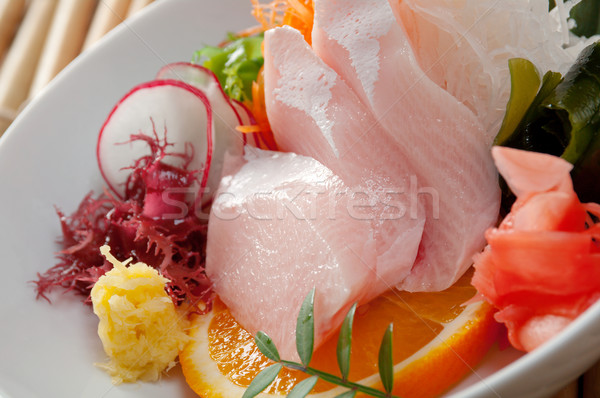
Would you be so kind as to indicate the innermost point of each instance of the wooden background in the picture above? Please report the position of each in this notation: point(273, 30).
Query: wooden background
point(40, 37)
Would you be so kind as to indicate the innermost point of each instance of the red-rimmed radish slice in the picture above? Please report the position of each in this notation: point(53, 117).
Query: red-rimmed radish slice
point(179, 111)
point(226, 138)
point(246, 118)
point(195, 75)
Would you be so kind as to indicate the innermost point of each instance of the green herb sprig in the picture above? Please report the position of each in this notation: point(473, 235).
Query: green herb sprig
point(305, 328)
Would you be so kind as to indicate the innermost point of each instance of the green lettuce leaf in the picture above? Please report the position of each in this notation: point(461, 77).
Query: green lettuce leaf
point(236, 65)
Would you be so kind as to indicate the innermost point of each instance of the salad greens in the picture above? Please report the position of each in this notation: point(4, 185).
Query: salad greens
point(559, 116)
point(236, 64)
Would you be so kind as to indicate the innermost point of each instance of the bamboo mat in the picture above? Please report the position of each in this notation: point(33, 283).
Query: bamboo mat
point(40, 37)
point(586, 386)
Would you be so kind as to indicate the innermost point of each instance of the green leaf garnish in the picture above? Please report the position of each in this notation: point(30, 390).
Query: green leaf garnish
point(262, 380)
point(305, 329)
point(587, 18)
point(586, 15)
point(576, 101)
point(525, 82)
point(302, 389)
point(305, 343)
point(266, 346)
point(347, 394)
point(563, 119)
point(526, 119)
point(386, 361)
point(236, 65)
point(344, 344)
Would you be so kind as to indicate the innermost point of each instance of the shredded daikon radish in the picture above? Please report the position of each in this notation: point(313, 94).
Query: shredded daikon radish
point(464, 46)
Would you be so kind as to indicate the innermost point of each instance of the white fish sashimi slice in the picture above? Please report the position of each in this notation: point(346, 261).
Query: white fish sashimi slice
point(436, 134)
point(274, 234)
point(226, 118)
point(313, 112)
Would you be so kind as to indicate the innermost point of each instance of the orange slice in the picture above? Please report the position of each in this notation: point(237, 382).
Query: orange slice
point(438, 339)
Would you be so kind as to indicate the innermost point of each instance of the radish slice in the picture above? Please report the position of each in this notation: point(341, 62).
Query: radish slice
point(195, 75)
point(226, 139)
point(162, 108)
point(247, 119)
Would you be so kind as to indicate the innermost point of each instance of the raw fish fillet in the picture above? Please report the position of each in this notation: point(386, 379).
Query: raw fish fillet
point(278, 227)
point(314, 113)
point(438, 138)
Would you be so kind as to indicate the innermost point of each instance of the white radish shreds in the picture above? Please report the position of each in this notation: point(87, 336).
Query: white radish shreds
point(465, 45)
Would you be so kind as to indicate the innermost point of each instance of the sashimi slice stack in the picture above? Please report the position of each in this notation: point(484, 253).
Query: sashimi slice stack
point(408, 167)
point(313, 112)
point(437, 137)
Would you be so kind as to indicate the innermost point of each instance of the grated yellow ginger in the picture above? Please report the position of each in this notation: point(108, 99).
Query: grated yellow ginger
point(140, 328)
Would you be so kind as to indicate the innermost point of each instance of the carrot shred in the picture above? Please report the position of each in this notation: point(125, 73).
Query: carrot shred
point(259, 109)
point(298, 14)
point(246, 129)
point(251, 31)
point(269, 15)
point(302, 11)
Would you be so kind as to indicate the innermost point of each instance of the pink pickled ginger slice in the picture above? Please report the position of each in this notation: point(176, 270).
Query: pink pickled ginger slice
point(541, 267)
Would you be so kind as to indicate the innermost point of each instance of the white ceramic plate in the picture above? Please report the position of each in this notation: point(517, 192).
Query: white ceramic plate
point(48, 158)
